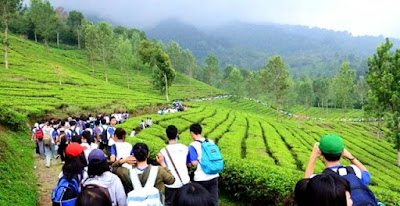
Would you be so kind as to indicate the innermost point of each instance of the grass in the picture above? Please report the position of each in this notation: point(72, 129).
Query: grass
point(17, 178)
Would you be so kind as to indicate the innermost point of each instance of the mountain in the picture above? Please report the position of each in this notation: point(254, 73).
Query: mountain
point(313, 51)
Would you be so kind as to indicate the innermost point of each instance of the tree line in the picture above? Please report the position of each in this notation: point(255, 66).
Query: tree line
point(130, 49)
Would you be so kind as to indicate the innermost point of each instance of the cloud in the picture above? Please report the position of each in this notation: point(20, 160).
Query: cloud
point(360, 17)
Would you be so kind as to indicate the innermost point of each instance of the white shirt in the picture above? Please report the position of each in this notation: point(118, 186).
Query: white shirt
point(88, 149)
point(133, 133)
point(178, 153)
point(199, 174)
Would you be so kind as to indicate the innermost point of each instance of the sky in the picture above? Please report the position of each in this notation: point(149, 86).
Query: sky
point(359, 17)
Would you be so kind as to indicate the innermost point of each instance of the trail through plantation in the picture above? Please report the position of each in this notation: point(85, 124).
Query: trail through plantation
point(46, 179)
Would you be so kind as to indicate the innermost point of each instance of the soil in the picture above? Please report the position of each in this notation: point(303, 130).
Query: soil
point(46, 179)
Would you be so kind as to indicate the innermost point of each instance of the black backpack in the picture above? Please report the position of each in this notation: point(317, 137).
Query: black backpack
point(75, 136)
point(104, 138)
point(360, 193)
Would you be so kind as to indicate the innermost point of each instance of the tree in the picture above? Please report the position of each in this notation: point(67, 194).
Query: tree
point(176, 55)
point(75, 22)
point(152, 54)
point(9, 7)
point(92, 42)
point(383, 77)
point(361, 89)
point(124, 57)
point(211, 70)
point(191, 64)
point(227, 71)
point(235, 84)
point(163, 73)
point(305, 92)
point(105, 33)
point(275, 80)
point(344, 86)
point(44, 20)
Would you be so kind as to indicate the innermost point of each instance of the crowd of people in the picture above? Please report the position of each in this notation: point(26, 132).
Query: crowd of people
point(101, 168)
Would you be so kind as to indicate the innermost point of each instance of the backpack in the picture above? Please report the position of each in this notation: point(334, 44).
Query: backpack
point(211, 159)
point(47, 137)
point(75, 137)
point(360, 193)
point(104, 138)
point(39, 133)
point(66, 192)
point(147, 195)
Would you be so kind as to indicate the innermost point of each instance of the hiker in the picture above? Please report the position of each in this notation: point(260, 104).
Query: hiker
point(300, 197)
point(88, 128)
point(103, 135)
point(175, 158)
point(97, 131)
point(99, 174)
point(120, 149)
point(88, 143)
point(62, 144)
point(142, 125)
point(133, 133)
point(74, 132)
point(93, 195)
point(55, 134)
point(208, 181)
point(39, 139)
point(143, 170)
point(149, 122)
point(73, 174)
point(331, 148)
point(75, 163)
point(48, 141)
point(110, 135)
point(327, 190)
point(193, 194)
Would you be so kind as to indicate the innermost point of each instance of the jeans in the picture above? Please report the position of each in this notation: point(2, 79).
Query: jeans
point(212, 187)
point(41, 148)
point(170, 194)
point(54, 149)
point(49, 155)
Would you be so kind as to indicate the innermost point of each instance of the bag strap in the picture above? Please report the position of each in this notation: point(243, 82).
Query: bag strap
point(173, 164)
point(135, 179)
point(151, 179)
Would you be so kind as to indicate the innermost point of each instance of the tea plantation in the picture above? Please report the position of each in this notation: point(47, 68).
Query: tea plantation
point(265, 158)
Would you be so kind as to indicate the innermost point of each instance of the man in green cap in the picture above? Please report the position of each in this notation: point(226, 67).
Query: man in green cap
point(331, 148)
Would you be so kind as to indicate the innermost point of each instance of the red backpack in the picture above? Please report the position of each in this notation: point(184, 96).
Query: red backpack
point(39, 134)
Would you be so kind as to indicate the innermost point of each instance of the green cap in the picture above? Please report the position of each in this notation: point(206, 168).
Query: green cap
point(331, 144)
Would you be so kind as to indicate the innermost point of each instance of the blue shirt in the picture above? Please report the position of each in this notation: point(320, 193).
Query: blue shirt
point(365, 175)
point(192, 155)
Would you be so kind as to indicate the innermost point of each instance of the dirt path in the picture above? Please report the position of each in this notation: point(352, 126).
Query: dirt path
point(46, 179)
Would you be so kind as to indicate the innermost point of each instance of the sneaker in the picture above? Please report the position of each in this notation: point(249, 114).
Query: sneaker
point(58, 156)
point(62, 162)
point(48, 166)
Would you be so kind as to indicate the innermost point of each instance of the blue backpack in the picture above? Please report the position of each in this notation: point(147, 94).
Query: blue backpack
point(211, 159)
point(360, 193)
point(66, 192)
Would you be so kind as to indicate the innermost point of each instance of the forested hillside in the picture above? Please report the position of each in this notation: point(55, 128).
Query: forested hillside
point(313, 51)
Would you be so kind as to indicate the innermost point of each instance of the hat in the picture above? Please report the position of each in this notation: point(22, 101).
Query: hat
point(96, 155)
point(74, 149)
point(331, 144)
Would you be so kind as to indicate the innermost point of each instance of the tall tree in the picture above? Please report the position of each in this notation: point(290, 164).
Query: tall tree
point(305, 92)
point(275, 79)
point(46, 22)
point(92, 42)
point(235, 84)
point(211, 73)
point(75, 22)
point(361, 89)
point(344, 86)
point(176, 55)
point(191, 63)
point(152, 54)
point(105, 49)
point(8, 8)
point(124, 57)
point(34, 14)
point(383, 77)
